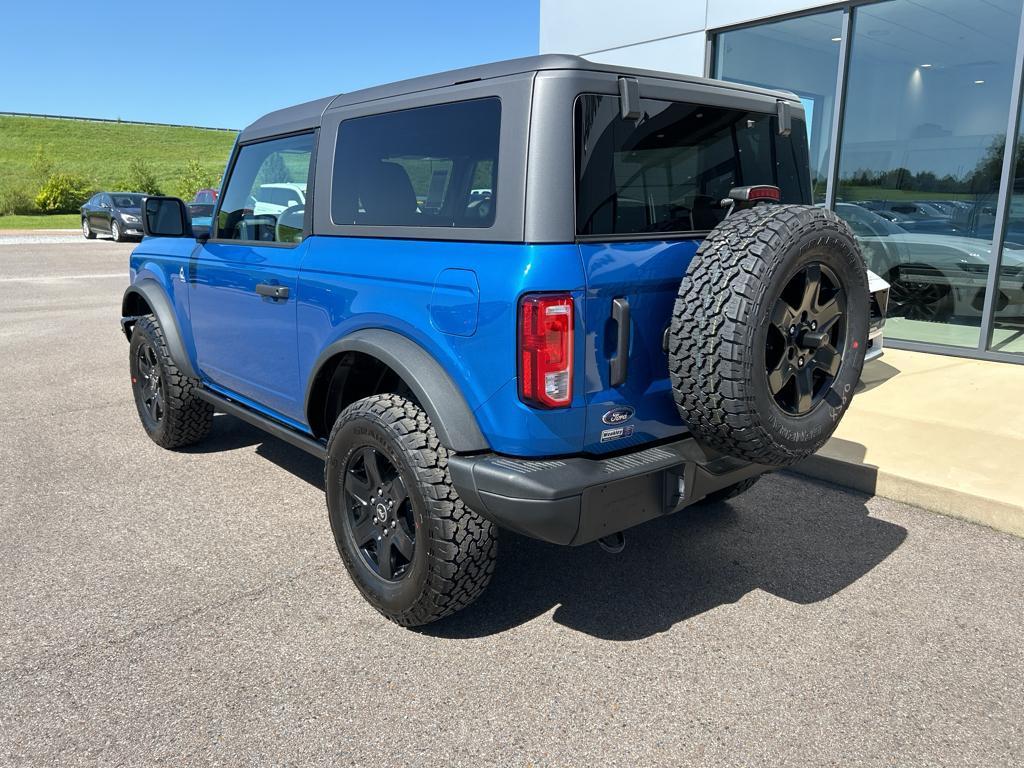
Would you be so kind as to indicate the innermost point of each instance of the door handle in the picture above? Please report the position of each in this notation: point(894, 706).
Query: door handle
point(619, 366)
point(272, 291)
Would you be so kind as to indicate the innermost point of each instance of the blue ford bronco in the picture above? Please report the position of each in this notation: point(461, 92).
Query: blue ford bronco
point(545, 295)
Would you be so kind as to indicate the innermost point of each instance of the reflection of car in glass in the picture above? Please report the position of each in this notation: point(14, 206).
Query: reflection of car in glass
point(907, 209)
point(117, 214)
point(275, 198)
point(912, 215)
point(949, 207)
point(933, 277)
point(978, 219)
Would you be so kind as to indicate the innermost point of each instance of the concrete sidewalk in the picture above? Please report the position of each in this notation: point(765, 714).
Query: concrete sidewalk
point(943, 433)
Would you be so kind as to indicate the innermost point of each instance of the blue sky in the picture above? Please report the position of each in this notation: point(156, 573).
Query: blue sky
point(239, 60)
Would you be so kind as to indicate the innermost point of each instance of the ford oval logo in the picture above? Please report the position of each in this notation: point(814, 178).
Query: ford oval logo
point(618, 415)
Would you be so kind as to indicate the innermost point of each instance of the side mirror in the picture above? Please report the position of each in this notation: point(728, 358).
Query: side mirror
point(166, 217)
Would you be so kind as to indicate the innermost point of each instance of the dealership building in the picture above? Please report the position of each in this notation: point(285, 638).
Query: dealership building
point(913, 112)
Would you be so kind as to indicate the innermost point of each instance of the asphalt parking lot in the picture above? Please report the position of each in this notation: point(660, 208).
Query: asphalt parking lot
point(189, 608)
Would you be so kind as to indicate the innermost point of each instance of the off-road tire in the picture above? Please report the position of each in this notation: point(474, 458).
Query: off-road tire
point(720, 326)
point(455, 547)
point(186, 418)
point(87, 232)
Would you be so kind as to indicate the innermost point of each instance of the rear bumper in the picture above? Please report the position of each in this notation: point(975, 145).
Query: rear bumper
point(578, 500)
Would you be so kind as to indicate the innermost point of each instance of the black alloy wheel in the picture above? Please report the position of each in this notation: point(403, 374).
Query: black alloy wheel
point(927, 298)
point(170, 409)
point(806, 338)
point(380, 520)
point(149, 382)
point(768, 333)
point(412, 547)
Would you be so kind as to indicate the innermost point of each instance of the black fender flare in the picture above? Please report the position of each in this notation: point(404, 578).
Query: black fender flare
point(454, 422)
point(151, 292)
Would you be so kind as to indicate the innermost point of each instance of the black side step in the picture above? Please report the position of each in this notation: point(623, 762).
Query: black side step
point(310, 445)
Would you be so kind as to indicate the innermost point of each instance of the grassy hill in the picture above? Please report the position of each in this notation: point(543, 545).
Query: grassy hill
point(103, 152)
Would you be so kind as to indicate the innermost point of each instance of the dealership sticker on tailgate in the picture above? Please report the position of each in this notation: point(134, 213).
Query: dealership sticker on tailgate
point(608, 435)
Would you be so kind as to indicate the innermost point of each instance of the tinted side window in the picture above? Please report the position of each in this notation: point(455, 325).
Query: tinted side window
point(431, 166)
point(265, 197)
point(669, 170)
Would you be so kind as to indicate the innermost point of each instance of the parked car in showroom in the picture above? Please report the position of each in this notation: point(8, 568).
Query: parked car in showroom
point(934, 277)
point(118, 214)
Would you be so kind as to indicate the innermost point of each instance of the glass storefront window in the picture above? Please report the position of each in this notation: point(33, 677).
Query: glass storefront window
point(799, 55)
point(1008, 327)
point(927, 102)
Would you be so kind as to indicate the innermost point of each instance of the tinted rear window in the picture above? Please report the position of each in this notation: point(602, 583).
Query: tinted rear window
point(431, 166)
point(668, 171)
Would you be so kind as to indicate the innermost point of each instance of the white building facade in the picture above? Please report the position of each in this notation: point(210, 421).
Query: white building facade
point(913, 114)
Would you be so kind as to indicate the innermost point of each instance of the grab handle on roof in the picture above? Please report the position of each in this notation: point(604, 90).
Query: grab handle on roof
point(785, 112)
point(629, 98)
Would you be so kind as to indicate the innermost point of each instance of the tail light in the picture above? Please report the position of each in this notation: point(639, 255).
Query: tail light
point(755, 193)
point(545, 350)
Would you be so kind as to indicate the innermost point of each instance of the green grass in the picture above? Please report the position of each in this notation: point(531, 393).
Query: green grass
point(849, 193)
point(102, 152)
point(57, 221)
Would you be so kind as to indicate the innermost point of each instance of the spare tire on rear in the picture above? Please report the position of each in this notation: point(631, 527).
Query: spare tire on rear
point(768, 333)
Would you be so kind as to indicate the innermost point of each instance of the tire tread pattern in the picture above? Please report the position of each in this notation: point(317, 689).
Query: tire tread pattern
point(462, 544)
point(187, 418)
point(713, 326)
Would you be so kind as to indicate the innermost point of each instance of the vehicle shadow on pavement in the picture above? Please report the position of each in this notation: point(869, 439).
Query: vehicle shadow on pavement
point(230, 434)
point(796, 538)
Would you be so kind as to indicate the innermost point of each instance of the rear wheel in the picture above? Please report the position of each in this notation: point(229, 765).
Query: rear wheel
point(87, 230)
point(768, 333)
point(170, 410)
point(413, 549)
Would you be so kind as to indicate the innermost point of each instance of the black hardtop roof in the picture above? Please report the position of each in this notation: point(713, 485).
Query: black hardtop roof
point(309, 114)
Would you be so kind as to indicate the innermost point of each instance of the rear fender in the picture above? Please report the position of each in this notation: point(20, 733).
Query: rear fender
point(456, 427)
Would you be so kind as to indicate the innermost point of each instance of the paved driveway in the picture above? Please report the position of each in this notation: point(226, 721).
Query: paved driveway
point(189, 608)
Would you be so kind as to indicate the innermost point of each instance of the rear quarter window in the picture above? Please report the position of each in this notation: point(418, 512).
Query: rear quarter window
point(434, 166)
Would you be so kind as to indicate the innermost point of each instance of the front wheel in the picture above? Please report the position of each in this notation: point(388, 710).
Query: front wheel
point(411, 546)
point(920, 292)
point(115, 231)
point(170, 410)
